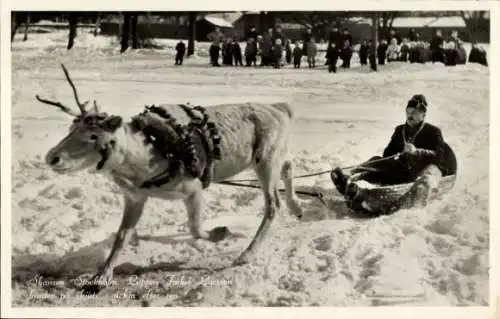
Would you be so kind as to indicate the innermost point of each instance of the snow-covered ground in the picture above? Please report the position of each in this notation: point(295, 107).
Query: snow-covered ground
point(63, 226)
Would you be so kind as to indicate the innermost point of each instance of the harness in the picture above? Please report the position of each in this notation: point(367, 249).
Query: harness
point(190, 149)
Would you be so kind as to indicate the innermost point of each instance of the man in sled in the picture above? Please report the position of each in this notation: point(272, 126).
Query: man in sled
point(416, 153)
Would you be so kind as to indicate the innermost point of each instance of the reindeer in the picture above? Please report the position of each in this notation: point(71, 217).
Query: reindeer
point(252, 135)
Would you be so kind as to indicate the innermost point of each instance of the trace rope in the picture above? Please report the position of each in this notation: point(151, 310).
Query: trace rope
point(327, 171)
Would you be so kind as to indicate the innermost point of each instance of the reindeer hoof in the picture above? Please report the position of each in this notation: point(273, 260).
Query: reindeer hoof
point(218, 233)
point(242, 260)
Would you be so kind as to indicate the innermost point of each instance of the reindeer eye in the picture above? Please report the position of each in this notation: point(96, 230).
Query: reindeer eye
point(93, 137)
point(89, 121)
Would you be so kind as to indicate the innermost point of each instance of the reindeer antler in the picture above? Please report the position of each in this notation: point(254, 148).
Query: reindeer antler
point(59, 105)
point(81, 106)
point(64, 108)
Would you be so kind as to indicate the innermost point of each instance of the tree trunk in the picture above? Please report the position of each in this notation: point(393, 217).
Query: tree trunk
point(26, 27)
point(125, 32)
point(133, 29)
point(73, 20)
point(14, 25)
point(192, 33)
point(373, 49)
point(97, 23)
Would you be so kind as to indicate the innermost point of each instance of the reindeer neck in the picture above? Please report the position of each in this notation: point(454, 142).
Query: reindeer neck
point(138, 160)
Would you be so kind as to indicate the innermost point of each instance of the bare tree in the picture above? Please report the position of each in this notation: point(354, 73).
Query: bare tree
point(386, 19)
point(476, 22)
point(133, 29)
point(373, 48)
point(97, 23)
point(125, 32)
point(73, 21)
point(192, 32)
point(26, 27)
point(14, 24)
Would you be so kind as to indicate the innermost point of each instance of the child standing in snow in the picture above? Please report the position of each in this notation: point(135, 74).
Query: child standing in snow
point(297, 55)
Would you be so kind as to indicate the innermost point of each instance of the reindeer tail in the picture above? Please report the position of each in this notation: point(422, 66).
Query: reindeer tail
point(285, 108)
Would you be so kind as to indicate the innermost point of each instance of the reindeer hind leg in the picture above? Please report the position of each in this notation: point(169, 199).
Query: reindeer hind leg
point(291, 199)
point(266, 173)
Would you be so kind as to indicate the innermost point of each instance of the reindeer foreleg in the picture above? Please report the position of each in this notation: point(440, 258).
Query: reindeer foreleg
point(195, 203)
point(134, 205)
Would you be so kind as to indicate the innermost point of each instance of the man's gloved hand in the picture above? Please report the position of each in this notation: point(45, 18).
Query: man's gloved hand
point(410, 151)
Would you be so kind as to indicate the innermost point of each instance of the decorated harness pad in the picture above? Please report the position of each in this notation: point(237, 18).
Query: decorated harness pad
point(190, 149)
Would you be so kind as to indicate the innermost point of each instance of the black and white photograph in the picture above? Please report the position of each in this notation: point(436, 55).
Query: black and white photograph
point(238, 158)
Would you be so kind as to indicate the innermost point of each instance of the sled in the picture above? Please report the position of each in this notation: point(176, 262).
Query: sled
point(378, 196)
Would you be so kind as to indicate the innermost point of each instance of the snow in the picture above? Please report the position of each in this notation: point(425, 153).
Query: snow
point(63, 226)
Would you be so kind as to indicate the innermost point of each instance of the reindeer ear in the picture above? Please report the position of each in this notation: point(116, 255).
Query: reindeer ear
point(112, 123)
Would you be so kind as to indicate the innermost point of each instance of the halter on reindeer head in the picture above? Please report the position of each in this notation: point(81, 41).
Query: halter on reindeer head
point(90, 139)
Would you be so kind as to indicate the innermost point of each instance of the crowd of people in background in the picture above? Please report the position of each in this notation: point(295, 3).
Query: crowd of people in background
point(273, 49)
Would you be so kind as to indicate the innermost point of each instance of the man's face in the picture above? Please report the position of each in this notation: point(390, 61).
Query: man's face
point(414, 116)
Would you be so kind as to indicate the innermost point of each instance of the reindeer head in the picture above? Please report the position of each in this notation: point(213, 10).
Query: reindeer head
point(91, 138)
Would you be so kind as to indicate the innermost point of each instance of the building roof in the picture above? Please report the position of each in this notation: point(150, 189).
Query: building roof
point(219, 22)
point(448, 22)
point(432, 22)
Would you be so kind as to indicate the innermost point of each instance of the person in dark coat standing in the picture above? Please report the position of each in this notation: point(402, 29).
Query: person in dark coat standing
point(332, 55)
point(288, 51)
point(216, 37)
point(437, 47)
point(181, 51)
point(277, 54)
point(346, 54)
point(346, 49)
point(381, 52)
point(363, 53)
point(417, 153)
point(266, 49)
point(227, 52)
point(251, 52)
point(297, 55)
point(236, 50)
